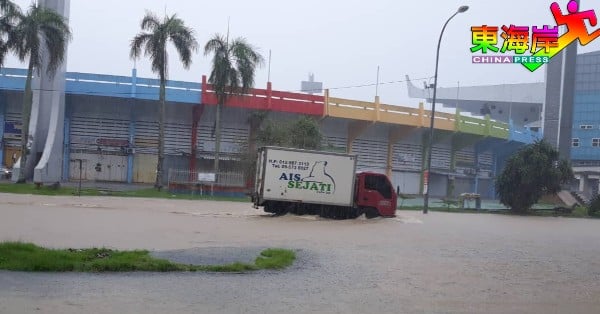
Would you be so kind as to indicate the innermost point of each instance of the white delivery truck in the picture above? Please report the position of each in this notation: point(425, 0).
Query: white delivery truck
point(323, 183)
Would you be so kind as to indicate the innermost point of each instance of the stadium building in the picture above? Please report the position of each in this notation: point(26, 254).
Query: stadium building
point(107, 125)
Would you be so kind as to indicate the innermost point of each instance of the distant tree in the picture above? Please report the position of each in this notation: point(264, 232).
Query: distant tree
point(233, 68)
point(39, 34)
point(273, 134)
point(153, 42)
point(534, 171)
point(301, 133)
point(305, 133)
point(594, 206)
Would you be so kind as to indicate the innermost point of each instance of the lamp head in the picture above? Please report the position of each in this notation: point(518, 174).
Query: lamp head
point(463, 8)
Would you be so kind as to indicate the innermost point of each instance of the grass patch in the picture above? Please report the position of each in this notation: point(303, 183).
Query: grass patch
point(18, 256)
point(268, 259)
point(459, 210)
point(275, 259)
point(576, 212)
point(31, 189)
point(146, 193)
point(542, 211)
point(454, 210)
point(580, 212)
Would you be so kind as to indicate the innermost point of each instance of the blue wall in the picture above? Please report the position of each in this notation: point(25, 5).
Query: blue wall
point(111, 86)
point(586, 107)
point(587, 112)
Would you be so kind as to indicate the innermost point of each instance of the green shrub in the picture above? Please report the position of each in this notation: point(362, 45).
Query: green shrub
point(534, 171)
point(594, 207)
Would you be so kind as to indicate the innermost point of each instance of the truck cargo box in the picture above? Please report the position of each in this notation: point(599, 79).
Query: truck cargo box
point(295, 175)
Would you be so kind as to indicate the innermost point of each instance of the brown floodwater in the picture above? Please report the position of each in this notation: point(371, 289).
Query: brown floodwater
point(415, 263)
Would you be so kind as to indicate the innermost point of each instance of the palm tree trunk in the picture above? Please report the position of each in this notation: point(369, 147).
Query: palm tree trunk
point(161, 135)
point(217, 139)
point(26, 116)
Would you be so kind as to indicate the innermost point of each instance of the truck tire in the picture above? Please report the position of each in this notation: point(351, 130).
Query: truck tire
point(276, 208)
point(371, 212)
point(324, 213)
point(283, 208)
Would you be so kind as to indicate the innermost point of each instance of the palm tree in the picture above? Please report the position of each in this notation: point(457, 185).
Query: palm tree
point(8, 11)
point(153, 41)
point(40, 34)
point(233, 68)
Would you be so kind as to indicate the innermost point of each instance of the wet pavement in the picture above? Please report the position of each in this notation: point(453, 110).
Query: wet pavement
point(415, 263)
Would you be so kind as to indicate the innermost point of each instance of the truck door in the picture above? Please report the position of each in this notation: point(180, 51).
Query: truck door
point(375, 190)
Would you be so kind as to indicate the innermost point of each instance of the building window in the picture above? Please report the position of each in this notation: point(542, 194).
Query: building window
point(586, 127)
point(596, 142)
point(575, 142)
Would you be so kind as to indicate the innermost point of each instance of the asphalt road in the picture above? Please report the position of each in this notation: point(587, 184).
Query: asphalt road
point(436, 263)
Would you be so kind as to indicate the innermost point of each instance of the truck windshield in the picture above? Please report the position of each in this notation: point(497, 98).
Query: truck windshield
point(379, 184)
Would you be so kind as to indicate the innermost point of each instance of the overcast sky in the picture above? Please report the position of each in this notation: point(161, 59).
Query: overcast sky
point(341, 41)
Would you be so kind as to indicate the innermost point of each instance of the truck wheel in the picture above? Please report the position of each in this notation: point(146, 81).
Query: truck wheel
point(324, 212)
point(268, 207)
point(371, 212)
point(282, 208)
point(300, 210)
point(276, 208)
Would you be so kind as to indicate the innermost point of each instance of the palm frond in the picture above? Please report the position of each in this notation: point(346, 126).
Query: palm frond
point(234, 81)
point(247, 59)
point(183, 39)
point(56, 34)
point(8, 7)
point(233, 65)
point(136, 44)
point(150, 22)
point(154, 38)
point(216, 45)
point(40, 32)
point(3, 51)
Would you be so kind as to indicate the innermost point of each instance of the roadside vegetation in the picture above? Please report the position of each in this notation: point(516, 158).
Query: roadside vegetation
point(543, 208)
point(534, 171)
point(544, 211)
point(18, 256)
point(146, 193)
point(593, 210)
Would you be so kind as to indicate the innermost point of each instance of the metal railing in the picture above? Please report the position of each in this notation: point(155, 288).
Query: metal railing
point(194, 180)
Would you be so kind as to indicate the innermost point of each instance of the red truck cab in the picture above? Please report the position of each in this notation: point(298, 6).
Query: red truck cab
point(375, 192)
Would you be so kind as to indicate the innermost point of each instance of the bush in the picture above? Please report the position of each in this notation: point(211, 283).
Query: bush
point(303, 133)
point(594, 207)
point(532, 172)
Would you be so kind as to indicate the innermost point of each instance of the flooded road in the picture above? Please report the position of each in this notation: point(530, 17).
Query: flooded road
point(415, 263)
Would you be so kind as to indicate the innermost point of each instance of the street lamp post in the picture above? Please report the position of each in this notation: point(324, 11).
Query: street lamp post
point(432, 115)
